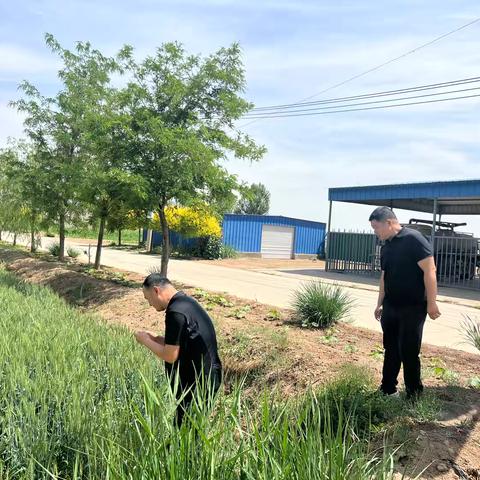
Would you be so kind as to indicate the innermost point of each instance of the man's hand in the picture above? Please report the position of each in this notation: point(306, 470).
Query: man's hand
point(433, 311)
point(142, 337)
point(378, 312)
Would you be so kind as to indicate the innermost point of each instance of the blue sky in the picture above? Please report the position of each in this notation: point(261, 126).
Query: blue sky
point(291, 50)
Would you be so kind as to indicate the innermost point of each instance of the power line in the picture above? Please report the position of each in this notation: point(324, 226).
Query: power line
point(368, 108)
point(366, 72)
point(416, 49)
point(268, 114)
point(433, 86)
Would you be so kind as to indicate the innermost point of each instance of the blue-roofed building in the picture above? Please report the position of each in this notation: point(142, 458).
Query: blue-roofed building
point(272, 236)
point(265, 236)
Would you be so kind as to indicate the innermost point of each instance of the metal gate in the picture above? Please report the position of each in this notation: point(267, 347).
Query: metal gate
point(457, 258)
point(458, 261)
point(352, 252)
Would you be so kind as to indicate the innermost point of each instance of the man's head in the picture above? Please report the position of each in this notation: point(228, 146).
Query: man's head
point(158, 291)
point(384, 223)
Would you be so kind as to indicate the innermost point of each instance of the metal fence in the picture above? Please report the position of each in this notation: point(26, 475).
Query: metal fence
point(458, 261)
point(351, 252)
point(457, 257)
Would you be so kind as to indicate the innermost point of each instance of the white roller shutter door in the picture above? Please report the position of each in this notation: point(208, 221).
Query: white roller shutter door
point(277, 242)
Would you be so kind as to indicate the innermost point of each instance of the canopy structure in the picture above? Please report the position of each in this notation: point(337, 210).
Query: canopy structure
point(457, 254)
point(443, 198)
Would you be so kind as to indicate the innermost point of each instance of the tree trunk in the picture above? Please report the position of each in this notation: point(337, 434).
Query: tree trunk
point(61, 249)
point(32, 239)
point(139, 236)
point(119, 236)
point(0, 235)
point(166, 241)
point(98, 253)
point(14, 239)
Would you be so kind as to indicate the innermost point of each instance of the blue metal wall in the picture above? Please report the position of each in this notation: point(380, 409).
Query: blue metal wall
point(244, 233)
point(176, 240)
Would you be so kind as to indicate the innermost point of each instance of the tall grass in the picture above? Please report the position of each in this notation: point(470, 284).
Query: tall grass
point(321, 305)
point(66, 382)
point(80, 400)
point(471, 331)
point(314, 437)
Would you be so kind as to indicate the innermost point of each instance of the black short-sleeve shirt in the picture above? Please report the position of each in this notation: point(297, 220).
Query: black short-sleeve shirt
point(404, 284)
point(190, 327)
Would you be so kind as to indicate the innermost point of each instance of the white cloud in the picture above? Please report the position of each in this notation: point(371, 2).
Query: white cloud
point(16, 61)
point(11, 124)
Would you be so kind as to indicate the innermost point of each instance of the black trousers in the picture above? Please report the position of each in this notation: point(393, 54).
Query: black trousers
point(402, 339)
point(187, 392)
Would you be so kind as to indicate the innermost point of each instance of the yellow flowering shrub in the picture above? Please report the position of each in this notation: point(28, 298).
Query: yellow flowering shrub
point(189, 222)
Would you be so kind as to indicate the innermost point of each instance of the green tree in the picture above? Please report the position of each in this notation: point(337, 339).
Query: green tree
point(182, 112)
point(255, 200)
point(57, 126)
point(115, 189)
point(22, 191)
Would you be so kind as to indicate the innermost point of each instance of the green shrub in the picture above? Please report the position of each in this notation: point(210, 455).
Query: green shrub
point(157, 250)
point(184, 251)
point(474, 382)
point(209, 247)
point(73, 252)
point(54, 249)
point(273, 314)
point(321, 305)
point(228, 251)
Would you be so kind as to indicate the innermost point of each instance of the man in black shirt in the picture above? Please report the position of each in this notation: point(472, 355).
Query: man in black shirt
point(189, 347)
point(408, 291)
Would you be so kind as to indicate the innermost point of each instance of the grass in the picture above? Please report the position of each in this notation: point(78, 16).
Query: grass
point(273, 315)
point(377, 352)
point(471, 331)
point(80, 399)
point(239, 312)
point(111, 275)
point(211, 299)
point(73, 252)
point(350, 348)
point(67, 383)
point(426, 409)
point(437, 368)
point(54, 249)
point(321, 305)
point(330, 337)
point(128, 236)
point(474, 383)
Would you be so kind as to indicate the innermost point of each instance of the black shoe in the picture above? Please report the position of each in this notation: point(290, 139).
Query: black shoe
point(395, 393)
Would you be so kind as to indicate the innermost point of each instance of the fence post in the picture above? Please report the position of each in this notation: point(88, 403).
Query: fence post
point(434, 223)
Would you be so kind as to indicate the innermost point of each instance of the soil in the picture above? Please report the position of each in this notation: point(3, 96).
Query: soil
point(269, 346)
point(254, 263)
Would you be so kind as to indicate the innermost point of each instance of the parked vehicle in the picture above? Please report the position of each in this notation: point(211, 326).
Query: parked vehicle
point(457, 254)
